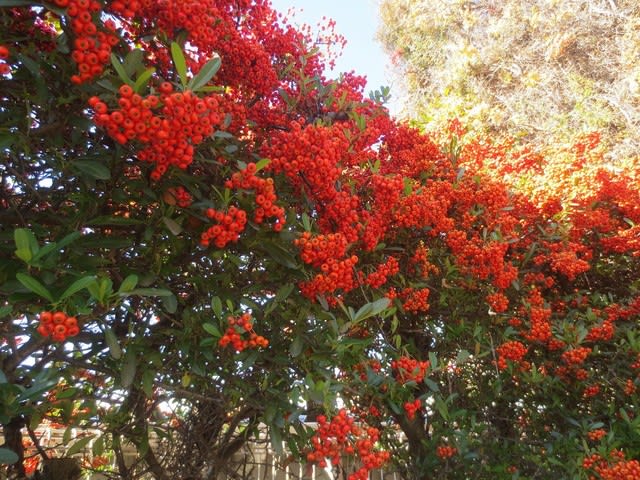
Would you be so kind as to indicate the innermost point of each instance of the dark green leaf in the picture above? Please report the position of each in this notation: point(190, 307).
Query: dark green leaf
point(93, 168)
point(143, 79)
point(8, 456)
point(129, 369)
point(211, 329)
point(128, 283)
point(151, 292)
point(34, 285)
point(78, 285)
point(119, 68)
point(172, 225)
point(112, 343)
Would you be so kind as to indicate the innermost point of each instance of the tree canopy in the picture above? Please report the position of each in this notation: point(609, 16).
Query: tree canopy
point(201, 234)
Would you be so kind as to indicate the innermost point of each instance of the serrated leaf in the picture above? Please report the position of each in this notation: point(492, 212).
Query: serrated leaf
point(79, 445)
point(179, 62)
point(211, 329)
point(78, 285)
point(128, 283)
point(34, 285)
point(119, 68)
point(112, 343)
point(205, 74)
point(8, 457)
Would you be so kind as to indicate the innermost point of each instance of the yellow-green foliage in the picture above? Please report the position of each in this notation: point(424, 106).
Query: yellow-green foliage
point(540, 70)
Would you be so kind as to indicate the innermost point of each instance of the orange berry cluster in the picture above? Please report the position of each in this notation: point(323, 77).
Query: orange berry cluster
point(58, 325)
point(228, 228)
point(379, 277)
point(318, 249)
point(4, 66)
point(591, 391)
point(540, 329)
point(335, 275)
point(409, 370)
point(577, 356)
point(343, 436)
point(617, 468)
point(513, 351)
point(415, 300)
point(446, 451)
point(596, 435)
point(412, 407)
point(237, 327)
point(92, 48)
point(265, 195)
point(185, 120)
point(498, 302)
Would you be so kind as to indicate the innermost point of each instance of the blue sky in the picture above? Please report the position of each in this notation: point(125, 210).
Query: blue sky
point(357, 20)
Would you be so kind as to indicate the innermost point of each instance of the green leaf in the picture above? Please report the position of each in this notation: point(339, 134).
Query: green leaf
point(172, 225)
point(119, 68)
point(151, 292)
point(26, 244)
point(133, 61)
point(93, 168)
point(112, 343)
point(67, 393)
point(179, 62)
point(129, 369)
point(143, 79)
point(5, 310)
point(371, 309)
point(78, 285)
point(17, 3)
point(296, 346)
point(147, 383)
point(111, 220)
point(216, 306)
point(262, 164)
point(279, 254)
point(34, 285)
point(211, 329)
point(205, 74)
point(128, 283)
point(97, 448)
point(170, 303)
point(78, 446)
point(8, 456)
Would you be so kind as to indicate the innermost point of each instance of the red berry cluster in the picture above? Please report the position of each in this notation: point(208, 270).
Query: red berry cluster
point(265, 195)
point(178, 196)
point(234, 334)
point(228, 228)
point(415, 300)
point(318, 249)
point(513, 351)
point(409, 370)
point(446, 451)
point(596, 435)
point(92, 48)
point(183, 122)
point(4, 66)
point(498, 302)
point(343, 436)
point(591, 391)
point(617, 468)
point(58, 325)
point(379, 277)
point(412, 407)
point(577, 356)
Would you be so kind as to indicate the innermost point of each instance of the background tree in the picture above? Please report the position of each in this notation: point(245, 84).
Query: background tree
point(539, 72)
